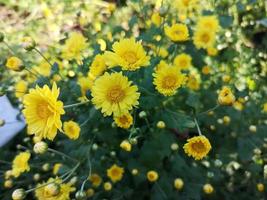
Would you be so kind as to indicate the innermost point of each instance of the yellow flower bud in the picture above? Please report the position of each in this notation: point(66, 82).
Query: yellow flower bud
point(142, 114)
point(174, 146)
point(152, 176)
point(90, 192)
point(226, 120)
point(14, 63)
point(125, 145)
point(40, 147)
point(161, 124)
point(134, 172)
point(260, 187)
point(36, 177)
point(208, 189)
point(178, 183)
point(46, 167)
point(107, 186)
point(52, 189)
point(8, 184)
point(19, 194)
point(80, 195)
point(226, 97)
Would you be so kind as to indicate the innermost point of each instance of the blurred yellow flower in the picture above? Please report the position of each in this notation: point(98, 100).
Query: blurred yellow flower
point(193, 82)
point(226, 97)
point(128, 54)
point(42, 111)
point(115, 173)
point(168, 79)
point(43, 68)
point(152, 176)
point(178, 183)
point(74, 46)
point(183, 61)
point(21, 88)
point(56, 168)
point(95, 179)
point(210, 23)
point(197, 147)
point(203, 38)
point(177, 32)
point(126, 145)
point(63, 192)
point(114, 94)
point(156, 19)
point(20, 164)
point(206, 70)
point(14, 63)
point(124, 121)
point(98, 66)
point(107, 186)
point(265, 107)
point(71, 129)
point(212, 51)
point(208, 189)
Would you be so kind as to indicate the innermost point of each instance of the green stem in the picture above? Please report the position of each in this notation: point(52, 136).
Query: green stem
point(62, 154)
point(198, 129)
point(42, 55)
point(211, 109)
point(9, 48)
point(76, 104)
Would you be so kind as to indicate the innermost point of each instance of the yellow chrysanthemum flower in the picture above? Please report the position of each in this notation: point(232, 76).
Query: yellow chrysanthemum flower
point(124, 121)
point(128, 54)
point(14, 63)
point(186, 4)
point(20, 164)
point(42, 111)
point(208, 189)
point(226, 97)
point(197, 147)
point(152, 176)
point(206, 70)
point(126, 145)
point(210, 23)
point(63, 193)
point(168, 79)
point(212, 51)
point(183, 61)
point(177, 32)
point(114, 94)
point(162, 65)
point(98, 66)
point(115, 173)
point(156, 19)
point(21, 88)
point(203, 38)
point(74, 46)
point(95, 179)
point(71, 129)
point(193, 82)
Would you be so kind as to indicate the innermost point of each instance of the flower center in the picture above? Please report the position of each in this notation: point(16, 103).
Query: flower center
point(205, 37)
point(115, 172)
point(186, 2)
point(183, 63)
point(123, 119)
point(130, 57)
point(115, 94)
point(169, 82)
point(42, 111)
point(198, 147)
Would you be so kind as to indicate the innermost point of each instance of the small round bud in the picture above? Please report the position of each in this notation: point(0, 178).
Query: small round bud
point(90, 192)
point(208, 189)
point(226, 120)
point(40, 147)
point(71, 74)
point(163, 11)
point(220, 121)
point(113, 125)
point(253, 128)
point(134, 172)
point(178, 183)
point(2, 122)
point(26, 139)
point(19, 194)
point(218, 163)
point(161, 124)
point(107, 186)
point(212, 127)
point(257, 151)
point(28, 43)
point(113, 153)
point(80, 195)
point(14, 63)
point(174, 146)
point(2, 37)
point(73, 180)
point(46, 167)
point(126, 145)
point(8, 174)
point(260, 187)
point(52, 189)
point(142, 114)
point(133, 141)
point(36, 177)
point(95, 147)
point(8, 184)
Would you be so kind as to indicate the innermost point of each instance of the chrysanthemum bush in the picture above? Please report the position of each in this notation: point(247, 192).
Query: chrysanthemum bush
point(162, 100)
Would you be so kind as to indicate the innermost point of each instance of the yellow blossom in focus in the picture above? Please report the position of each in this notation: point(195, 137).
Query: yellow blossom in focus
point(21, 88)
point(177, 32)
point(124, 121)
point(71, 129)
point(14, 63)
point(114, 94)
point(152, 176)
point(74, 46)
point(42, 111)
point(115, 173)
point(95, 179)
point(197, 147)
point(20, 164)
point(226, 97)
point(183, 61)
point(168, 79)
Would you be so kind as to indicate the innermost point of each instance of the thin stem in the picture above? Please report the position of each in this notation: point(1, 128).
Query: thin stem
point(9, 48)
point(72, 171)
point(211, 109)
point(42, 55)
point(5, 162)
point(198, 129)
point(62, 154)
point(76, 104)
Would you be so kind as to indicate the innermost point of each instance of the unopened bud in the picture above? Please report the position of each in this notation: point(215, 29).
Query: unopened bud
point(40, 147)
point(19, 194)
